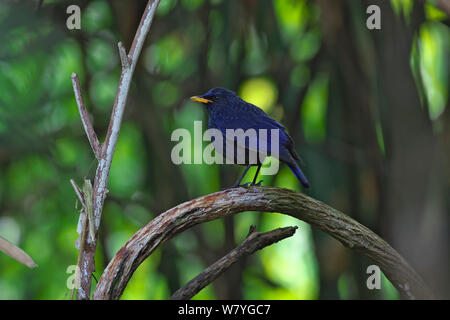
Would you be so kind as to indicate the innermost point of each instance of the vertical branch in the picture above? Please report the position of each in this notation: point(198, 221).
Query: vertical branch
point(104, 152)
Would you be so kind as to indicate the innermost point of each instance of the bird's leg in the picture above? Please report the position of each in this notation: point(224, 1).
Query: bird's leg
point(238, 183)
point(256, 176)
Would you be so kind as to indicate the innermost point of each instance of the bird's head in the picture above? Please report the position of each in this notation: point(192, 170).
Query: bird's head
point(216, 98)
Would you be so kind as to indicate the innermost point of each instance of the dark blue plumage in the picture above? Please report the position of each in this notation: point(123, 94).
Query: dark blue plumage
point(228, 111)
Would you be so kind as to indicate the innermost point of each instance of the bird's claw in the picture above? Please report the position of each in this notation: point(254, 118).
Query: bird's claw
point(245, 185)
point(257, 184)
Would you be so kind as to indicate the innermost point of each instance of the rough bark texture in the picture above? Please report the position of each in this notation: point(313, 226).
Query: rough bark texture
point(254, 242)
point(104, 152)
point(267, 199)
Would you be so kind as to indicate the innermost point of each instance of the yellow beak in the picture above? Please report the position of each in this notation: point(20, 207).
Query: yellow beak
point(198, 99)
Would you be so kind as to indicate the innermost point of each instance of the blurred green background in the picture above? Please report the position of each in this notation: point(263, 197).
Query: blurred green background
point(369, 111)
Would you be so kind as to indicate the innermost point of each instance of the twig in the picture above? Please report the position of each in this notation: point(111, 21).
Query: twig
point(87, 125)
point(267, 199)
point(104, 152)
point(78, 192)
point(16, 253)
point(255, 241)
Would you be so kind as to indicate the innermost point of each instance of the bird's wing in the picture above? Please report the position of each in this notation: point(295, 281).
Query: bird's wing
point(257, 119)
point(285, 138)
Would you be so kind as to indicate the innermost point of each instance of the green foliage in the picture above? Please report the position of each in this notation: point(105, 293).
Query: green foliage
point(402, 7)
point(129, 170)
point(264, 50)
point(434, 48)
point(259, 91)
point(97, 16)
point(314, 110)
point(292, 16)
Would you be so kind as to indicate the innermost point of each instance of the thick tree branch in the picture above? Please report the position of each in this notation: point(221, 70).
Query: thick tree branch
point(254, 242)
point(267, 199)
point(105, 152)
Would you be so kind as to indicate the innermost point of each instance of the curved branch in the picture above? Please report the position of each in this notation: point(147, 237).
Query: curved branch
point(255, 241)
point(268, 199)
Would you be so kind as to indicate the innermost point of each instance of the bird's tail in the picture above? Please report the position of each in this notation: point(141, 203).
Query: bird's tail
point(299, 174)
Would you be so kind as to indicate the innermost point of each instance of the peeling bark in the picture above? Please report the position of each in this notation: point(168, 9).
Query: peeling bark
point(267, 199)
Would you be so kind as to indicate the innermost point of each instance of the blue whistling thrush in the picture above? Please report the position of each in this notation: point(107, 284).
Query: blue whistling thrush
point(228, 111)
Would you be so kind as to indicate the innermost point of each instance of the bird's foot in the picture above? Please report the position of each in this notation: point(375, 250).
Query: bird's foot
point(257, 184)
point(248, 184)
point(244, 185)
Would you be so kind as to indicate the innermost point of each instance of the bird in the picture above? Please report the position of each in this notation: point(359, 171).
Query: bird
point(228, 111)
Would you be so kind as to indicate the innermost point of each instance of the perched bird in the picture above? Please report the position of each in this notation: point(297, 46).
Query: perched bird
point(228, 111)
